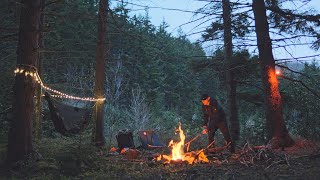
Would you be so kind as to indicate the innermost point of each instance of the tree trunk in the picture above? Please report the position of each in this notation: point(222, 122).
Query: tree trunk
point(38, 101)
point(231, 83)
point(20, 134)
point(98, 130)
point(276, 128)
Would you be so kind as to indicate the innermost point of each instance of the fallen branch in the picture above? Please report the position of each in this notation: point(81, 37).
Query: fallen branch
point(218, 149)
point(193, 139)
point(151, 146)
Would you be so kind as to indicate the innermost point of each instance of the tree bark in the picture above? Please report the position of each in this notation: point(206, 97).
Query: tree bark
point(99, 91)
point(20, 144)
point(231, 83)
point(276, 128)
point(38, 96)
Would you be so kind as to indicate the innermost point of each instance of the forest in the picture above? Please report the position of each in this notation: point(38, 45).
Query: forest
point(83, 82)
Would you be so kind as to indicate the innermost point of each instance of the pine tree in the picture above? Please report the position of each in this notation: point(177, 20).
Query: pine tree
point(276, 126)
point(99, 91)
point(230, 76)
point(20, 144)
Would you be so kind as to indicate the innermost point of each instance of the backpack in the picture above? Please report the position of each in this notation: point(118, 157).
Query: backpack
point(149, 140)
point(125, 139)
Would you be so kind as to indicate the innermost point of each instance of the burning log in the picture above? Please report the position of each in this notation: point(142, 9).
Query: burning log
point(190, 158)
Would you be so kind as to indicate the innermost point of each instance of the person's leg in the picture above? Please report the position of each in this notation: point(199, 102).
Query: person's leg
point(211, 133)
point(225, 131)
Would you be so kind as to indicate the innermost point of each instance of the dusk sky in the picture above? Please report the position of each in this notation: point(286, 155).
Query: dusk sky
point(177, 19)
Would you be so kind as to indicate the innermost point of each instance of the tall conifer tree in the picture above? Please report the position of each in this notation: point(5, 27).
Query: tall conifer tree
point(231, 83)
point(99, 90)
point(20, 134)
point(276, 127)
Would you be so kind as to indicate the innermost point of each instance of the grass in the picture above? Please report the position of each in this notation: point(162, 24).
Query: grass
point(63, 159)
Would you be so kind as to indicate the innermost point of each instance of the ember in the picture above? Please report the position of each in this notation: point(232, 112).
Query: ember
point(178, 155)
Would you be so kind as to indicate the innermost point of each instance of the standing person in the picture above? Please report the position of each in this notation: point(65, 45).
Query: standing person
point(214, 118)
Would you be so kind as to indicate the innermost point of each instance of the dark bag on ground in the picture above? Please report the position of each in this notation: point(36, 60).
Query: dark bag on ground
point(150, 140)
point(125, 139)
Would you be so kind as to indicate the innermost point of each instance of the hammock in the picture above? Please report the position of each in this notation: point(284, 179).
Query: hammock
point(67, 119)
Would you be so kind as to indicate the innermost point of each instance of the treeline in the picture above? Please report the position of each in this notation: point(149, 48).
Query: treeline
point(150, 83)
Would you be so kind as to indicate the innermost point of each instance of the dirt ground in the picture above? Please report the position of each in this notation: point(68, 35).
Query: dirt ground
point(301, 161)
point(64, 160)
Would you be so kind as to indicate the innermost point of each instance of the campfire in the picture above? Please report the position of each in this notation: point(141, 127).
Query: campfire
point(178, 155)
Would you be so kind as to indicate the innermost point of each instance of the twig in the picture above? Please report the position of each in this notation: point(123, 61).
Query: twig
point(209, 145)
point(287, 160)
point(274, 164)
point(193, 139)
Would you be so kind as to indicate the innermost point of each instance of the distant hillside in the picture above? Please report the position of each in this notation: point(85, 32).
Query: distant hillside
point(296, 66)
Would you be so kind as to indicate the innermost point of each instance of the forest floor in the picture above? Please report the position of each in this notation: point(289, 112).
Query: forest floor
point(62, 159)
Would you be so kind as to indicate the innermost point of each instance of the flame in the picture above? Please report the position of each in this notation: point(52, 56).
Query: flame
point(177, 148)
point(202, 157)
point(178, 154)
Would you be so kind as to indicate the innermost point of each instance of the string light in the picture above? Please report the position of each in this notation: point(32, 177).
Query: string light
point(35, 76)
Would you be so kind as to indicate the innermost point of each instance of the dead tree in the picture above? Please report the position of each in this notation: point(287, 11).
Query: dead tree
point(139, 110)
point(114, 90)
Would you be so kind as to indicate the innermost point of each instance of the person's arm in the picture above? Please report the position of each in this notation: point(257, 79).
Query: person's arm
point(205, 121)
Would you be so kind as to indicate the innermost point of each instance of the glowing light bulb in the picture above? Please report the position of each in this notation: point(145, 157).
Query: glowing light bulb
point(35, 76)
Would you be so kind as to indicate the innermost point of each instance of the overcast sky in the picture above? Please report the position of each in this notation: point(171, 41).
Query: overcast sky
point(177, 19)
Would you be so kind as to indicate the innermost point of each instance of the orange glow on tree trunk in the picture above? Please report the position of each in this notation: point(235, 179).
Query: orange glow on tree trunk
point(275, 95)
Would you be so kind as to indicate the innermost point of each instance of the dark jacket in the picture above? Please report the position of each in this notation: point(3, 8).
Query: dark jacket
point(213, 114)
